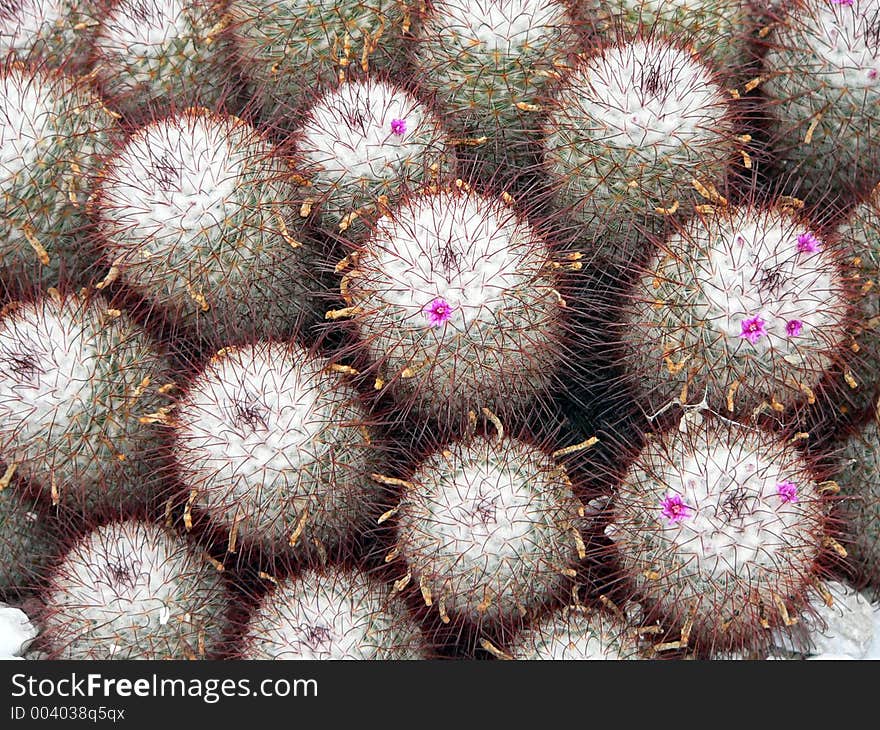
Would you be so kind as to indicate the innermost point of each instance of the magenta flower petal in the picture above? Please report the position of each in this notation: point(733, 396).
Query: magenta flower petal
point(438, 312)
point(753, 329)
point(808, 243)
point(398, 127)
point(673, 508)
point(793, 327)
point(787, 491)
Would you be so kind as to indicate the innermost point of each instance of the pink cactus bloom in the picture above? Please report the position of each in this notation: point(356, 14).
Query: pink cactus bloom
point(793, 327)
point(674, 509)
point(787, 491)
point(438, 312)
point(398, 127)
point(753, 329)
point(808, 243)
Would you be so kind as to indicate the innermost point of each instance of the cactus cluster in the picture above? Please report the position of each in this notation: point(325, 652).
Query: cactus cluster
point(406, 329)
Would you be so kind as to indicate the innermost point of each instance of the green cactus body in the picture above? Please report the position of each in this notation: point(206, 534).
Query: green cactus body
point(859, 481)
point(577, 633)
point(276, 450)
point(823, 85)
point(76, 380)
point(860, 232)
point(488, 529)
point(53, 132)
point(720, 529)
point(490, 62)
point(719, 30)
point(287, 47)
point(636, 137)
point(743, 307)
point(152, 56)
point(363, 144)
point(130, 590)
point(332, 614)
point(57, 33)
point(26, 543)
point(199, 215)
point(455, 300)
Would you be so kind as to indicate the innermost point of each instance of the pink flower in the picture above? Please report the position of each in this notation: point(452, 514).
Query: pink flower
point(787, 491)
point(841, 2)
point(398, 127)
point(753, 329)
point(808, 243)
point(793, 327)
point(674, 509)
point(438, 312)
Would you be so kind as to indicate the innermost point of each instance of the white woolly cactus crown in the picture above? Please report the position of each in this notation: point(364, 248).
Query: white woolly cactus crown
point(489, 529)
point(639, 131)
point(130, 590)
point(366, 139)
point(454, 298)
point(275, 447)
point(823, 84)
point(576, 633)
point(721, 528)
point(745, 307)
point(197, 209)
point(155, 53)
point(332, 614)
point(54, 31)
point(77, 384)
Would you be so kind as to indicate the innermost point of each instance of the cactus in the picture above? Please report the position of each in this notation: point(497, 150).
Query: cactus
point(637, 135)
point(27, 540)
point(363, 144)
point(332, 614)
point(80, 385)
point(719, 30)
point(129, 590)
point(57, 33)
point(489, 530)
point(152, 56)
point(823, 86)
point(720, 529)
point(53, 131)
point(489, 62)
point(455, 299)
point(289, 46)
point(198, 214)
point(859, 481)
point(744, 307)
point(577, 633)
point(860, 233)
point(275, 448)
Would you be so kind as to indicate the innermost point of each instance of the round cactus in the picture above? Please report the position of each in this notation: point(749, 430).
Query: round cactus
point(152, 55)
point(27, 540)
point(489, 529)
point(53, 131)
point(364, 143)
point(454, 298)
point(80, 387)
point(859, 480)
point(332, 614)
point(577, 633)
point(56, 33)
point(286, 47)
point(637, 134)
point(275, 448)
point(198, 214)
point(129, 590)
point(720, 528)
point(860, 233)
point(719, 30)
point(823, 85)
point(744, 307)
point(489, 62)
